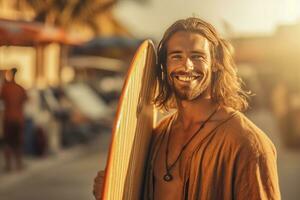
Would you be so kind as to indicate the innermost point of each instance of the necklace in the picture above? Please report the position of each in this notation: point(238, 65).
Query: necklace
point(168, 176)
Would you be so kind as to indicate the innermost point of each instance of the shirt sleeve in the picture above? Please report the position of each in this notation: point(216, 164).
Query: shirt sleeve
point(256, 175)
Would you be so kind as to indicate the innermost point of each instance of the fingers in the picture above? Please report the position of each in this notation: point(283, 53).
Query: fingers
point(97, 196)
point(99, 176)
point(97, 189)
point(101, 173)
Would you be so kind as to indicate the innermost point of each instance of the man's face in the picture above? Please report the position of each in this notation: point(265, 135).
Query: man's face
point(189, 65)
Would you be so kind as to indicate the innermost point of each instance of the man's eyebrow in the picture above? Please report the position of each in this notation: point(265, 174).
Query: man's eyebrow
point(174, 52)
point(198, 52)
point(192, 52)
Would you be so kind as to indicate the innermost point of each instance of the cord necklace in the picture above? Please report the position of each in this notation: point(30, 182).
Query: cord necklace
point(168, 176)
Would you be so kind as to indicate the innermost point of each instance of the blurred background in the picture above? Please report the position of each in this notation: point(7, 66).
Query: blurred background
point(72, 56)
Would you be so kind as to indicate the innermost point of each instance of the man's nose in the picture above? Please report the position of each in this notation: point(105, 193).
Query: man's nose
point(189, 65)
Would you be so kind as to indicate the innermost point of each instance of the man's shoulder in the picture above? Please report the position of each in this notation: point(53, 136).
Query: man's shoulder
point(244, 134)
point(162, 124)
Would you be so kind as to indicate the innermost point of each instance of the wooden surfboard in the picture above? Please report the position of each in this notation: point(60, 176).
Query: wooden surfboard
point(132, 129)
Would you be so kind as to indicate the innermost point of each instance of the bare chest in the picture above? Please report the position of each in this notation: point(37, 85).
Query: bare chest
point(172, 158)
point(169, 189)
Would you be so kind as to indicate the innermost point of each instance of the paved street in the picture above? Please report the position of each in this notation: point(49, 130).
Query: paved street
point(289, 176)
point(68, 180)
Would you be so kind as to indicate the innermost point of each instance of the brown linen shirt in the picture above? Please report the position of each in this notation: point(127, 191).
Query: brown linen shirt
point(234, 161)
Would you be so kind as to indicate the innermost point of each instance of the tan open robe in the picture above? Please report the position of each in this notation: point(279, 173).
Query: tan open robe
point(236, 161)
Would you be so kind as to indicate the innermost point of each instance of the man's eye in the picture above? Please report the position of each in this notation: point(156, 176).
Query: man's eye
point(197, 57)
point(176, 57)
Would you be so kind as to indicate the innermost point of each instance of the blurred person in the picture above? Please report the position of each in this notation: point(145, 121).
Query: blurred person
point(207, 149)
point(14, 97)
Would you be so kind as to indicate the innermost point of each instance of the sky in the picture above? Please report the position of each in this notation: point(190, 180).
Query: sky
point(244, 16)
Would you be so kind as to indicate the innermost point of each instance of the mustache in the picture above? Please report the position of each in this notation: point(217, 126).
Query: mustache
point(185, 73)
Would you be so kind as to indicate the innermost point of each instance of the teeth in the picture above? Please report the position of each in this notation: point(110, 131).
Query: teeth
point(186, 78)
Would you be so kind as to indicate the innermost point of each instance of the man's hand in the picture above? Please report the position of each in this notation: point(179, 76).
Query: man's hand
point(98, 184)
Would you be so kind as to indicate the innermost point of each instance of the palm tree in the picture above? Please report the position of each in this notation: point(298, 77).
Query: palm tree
point(65, 13)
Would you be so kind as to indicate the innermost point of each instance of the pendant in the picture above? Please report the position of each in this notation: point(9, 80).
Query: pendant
point(168, 177)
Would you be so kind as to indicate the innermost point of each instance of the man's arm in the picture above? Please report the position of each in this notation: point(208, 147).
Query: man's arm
point(256, 175)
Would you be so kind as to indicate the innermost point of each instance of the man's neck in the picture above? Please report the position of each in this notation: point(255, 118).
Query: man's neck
point(195, 111)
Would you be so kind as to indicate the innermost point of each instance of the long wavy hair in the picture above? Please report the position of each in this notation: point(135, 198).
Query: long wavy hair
point(226, 86)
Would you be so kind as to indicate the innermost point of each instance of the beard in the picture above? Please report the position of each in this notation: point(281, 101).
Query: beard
point(189, 90)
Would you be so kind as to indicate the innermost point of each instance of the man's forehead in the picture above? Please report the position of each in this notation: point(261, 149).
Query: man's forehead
point(187, 41)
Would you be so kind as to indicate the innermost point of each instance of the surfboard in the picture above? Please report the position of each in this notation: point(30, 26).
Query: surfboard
point(131, 133)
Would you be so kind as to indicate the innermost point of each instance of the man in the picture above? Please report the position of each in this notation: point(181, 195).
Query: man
point(207, 149)
point(14, 97)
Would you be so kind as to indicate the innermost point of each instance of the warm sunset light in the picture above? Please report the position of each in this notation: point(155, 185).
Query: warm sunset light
point(207, 109)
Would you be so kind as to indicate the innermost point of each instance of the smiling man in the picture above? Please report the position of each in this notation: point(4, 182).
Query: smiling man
point(207, 149)
point(189, 65)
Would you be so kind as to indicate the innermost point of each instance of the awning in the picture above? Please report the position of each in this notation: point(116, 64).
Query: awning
point(23, 33)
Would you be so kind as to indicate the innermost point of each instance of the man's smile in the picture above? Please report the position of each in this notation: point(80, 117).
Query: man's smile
point(186, 77)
